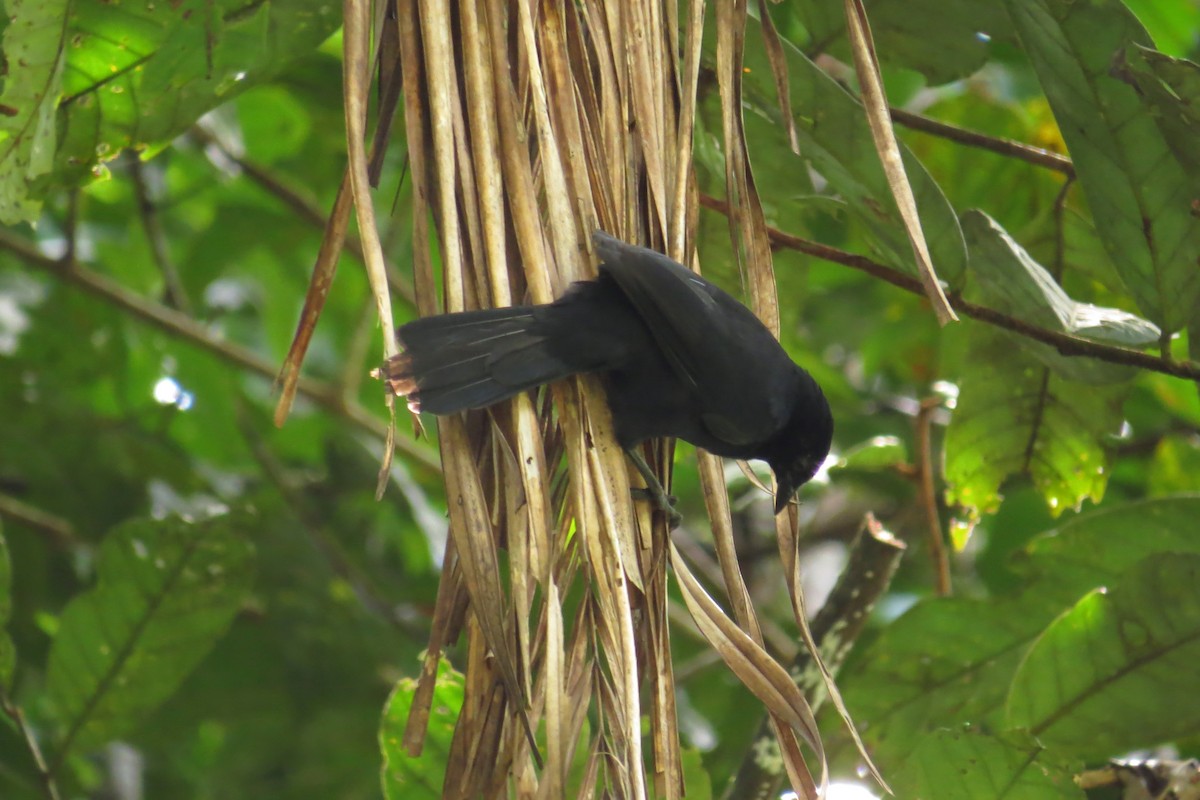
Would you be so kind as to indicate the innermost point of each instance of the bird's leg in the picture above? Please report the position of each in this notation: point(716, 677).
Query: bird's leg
point(654, 491)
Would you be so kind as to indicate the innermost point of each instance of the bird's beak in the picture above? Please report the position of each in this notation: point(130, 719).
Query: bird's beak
point(784, 489)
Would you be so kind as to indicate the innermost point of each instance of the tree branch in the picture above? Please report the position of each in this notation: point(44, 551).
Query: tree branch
point(1064, 343)
point(156, 236)
point(187, 329)
point(1005, 147)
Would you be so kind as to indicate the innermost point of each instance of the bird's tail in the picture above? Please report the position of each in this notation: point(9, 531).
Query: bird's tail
point(472, 359)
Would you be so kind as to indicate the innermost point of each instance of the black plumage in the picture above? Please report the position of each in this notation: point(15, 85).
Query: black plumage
point(676, 354)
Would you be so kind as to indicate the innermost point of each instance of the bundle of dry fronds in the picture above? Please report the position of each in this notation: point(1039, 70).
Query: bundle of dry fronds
point(528, 125)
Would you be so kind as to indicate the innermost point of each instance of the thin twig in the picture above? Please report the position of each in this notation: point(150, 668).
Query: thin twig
point(175, 294)
point(45, 776)
point(874, 556)
point(1060, 236)
point(1005, 147)
point(71, 224)
point(58, 530)
point(928, 494)
point(184, 327)
point(1065, 343)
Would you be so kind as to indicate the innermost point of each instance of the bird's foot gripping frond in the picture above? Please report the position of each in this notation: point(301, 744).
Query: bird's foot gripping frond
point(397, 373)
point(654, 491)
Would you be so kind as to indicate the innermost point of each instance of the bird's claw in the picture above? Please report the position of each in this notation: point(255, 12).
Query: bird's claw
point(660, 501)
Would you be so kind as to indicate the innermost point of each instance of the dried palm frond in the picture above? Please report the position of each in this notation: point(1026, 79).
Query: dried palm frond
point(528, 125)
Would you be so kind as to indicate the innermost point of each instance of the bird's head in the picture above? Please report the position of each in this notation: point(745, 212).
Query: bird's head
point(803, 443)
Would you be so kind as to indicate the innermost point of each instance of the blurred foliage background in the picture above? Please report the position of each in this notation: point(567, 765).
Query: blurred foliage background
point(194, 603)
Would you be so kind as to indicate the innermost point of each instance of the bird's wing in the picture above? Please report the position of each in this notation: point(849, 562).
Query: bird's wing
point(703, 333)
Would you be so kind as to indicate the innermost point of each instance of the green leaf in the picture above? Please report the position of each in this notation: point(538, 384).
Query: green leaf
point(1016, 417)
point(1010, 281)
point(1117, 671)
point(696, 780)
point(410, 777)
point(1170, 90)
point(1138, 191)
point(834, 138)
point(167, 591)
point(968, 765)
point(1095, 549)
point(33, 60)
point(906, 687)
point(141, 78)
point(938, 39)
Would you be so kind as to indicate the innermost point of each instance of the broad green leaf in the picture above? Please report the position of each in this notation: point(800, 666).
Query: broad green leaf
point(834, 138)
point(946, 662)
point(410, 777)
point(969, 765)
point(1017, 417)
point(167, 591)
point(1138, 191)
point(1095, 549)
point(33, 66)
point(906, 686)
point(142, 77)
point(1009, 280)
point(1170, 89)
point(943, 41)
point(1117, 671)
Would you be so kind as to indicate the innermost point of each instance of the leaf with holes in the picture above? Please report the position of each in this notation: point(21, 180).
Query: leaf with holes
point(963, 765)
point(1140, 194)
point(167, 591)
point(1117, 671)
point(1016, 417)
point(33, 62)
point(141, 77)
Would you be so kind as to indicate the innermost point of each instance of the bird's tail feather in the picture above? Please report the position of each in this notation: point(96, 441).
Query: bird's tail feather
point(470, 360)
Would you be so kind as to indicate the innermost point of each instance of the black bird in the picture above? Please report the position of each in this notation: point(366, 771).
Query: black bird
point(677, 357)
